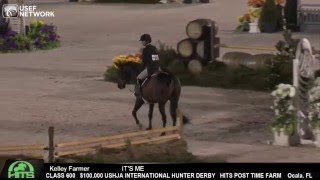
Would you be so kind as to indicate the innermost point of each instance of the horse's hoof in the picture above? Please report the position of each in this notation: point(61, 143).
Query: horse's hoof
point(140, 126)
point(148, 128)
point(163, 134)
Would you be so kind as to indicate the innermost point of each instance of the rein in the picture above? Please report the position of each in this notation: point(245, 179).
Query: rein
point(129, 89)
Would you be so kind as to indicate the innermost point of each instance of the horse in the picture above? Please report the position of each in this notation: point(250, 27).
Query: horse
point(159, 88)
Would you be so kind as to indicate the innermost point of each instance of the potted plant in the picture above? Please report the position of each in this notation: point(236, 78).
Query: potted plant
point(244, 21)
point(314, 109)
point(284, 124)
point(254, 13)
point(249, 21)
point(268, 19)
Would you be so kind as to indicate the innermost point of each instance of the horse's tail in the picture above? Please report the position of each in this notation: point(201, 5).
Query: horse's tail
point(174, 101)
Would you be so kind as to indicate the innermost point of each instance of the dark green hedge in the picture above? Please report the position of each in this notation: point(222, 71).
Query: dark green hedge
point(218, 74)
point(291, 14)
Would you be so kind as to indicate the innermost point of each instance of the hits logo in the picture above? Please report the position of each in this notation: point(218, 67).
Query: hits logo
point(21, 169)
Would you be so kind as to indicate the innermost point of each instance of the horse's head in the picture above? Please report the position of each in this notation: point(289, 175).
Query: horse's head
point(124, 76)
point(127, 74)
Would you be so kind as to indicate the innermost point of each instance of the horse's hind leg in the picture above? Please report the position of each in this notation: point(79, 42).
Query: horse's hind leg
point(150, 116)
point(163, 114)
point(173, 109)
point(137, 106)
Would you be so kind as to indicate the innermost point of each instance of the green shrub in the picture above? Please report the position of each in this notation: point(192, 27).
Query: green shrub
point(280, 67)
point(268, 14)
point(111, 74)
point(23, 42)
point(244, 27)
point(12, 41)
point(128, 1)
point(40, 36)
point(166, 54)
point(279, 17)
point(43, 36)
point(218, 74)
point(215, 74)
point(291, 13)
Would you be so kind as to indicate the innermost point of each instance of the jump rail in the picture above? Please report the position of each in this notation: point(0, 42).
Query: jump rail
point(89, 145)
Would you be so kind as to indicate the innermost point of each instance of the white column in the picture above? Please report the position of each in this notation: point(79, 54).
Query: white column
point(22, 19)
point(295, 72)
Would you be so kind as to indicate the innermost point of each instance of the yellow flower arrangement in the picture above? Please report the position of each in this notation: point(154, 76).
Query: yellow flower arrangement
point(245, 18)
point(37, 23)
point(255, 13)
point(123, 59)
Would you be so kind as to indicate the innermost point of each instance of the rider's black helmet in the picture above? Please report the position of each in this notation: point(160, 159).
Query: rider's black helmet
point(146, 38)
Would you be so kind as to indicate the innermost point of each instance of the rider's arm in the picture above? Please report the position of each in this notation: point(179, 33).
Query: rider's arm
point(144, 58)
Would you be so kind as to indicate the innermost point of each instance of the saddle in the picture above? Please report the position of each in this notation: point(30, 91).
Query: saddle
point(146, 80)
point(154, 74)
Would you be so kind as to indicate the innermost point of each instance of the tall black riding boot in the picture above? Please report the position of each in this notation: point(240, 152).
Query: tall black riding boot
point(137, 89)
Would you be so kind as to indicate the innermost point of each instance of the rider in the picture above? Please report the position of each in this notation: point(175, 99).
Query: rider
point(150, 61)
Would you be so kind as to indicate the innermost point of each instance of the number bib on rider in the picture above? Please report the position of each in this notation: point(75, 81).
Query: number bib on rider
point(155, 57)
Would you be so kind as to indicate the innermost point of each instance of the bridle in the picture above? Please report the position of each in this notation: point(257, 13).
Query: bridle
point(126, 87)
point(130, 90)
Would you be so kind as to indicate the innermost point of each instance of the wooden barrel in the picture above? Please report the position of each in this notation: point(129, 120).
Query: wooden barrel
point(195, 66)
point(194, 28)
point(185, 47)
point(200, 49)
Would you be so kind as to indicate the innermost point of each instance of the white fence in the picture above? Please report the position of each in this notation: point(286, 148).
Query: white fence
point(309, 17)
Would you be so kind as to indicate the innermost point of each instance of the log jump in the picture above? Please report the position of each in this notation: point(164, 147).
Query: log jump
point(90, 145)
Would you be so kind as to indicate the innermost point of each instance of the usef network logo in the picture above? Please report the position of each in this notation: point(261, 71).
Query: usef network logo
point(10, 10)
point(14, 10)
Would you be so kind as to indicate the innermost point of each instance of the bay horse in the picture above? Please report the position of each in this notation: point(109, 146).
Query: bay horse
point(158, 89)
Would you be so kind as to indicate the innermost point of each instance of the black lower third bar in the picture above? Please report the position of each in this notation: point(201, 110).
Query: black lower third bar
point(181, 171)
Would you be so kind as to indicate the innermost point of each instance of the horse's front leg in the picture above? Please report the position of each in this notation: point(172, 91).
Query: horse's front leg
point(163, 114)
point(137, 106)
point(150, 116)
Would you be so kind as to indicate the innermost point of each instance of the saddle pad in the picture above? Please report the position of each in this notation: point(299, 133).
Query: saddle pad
point(145, 80)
